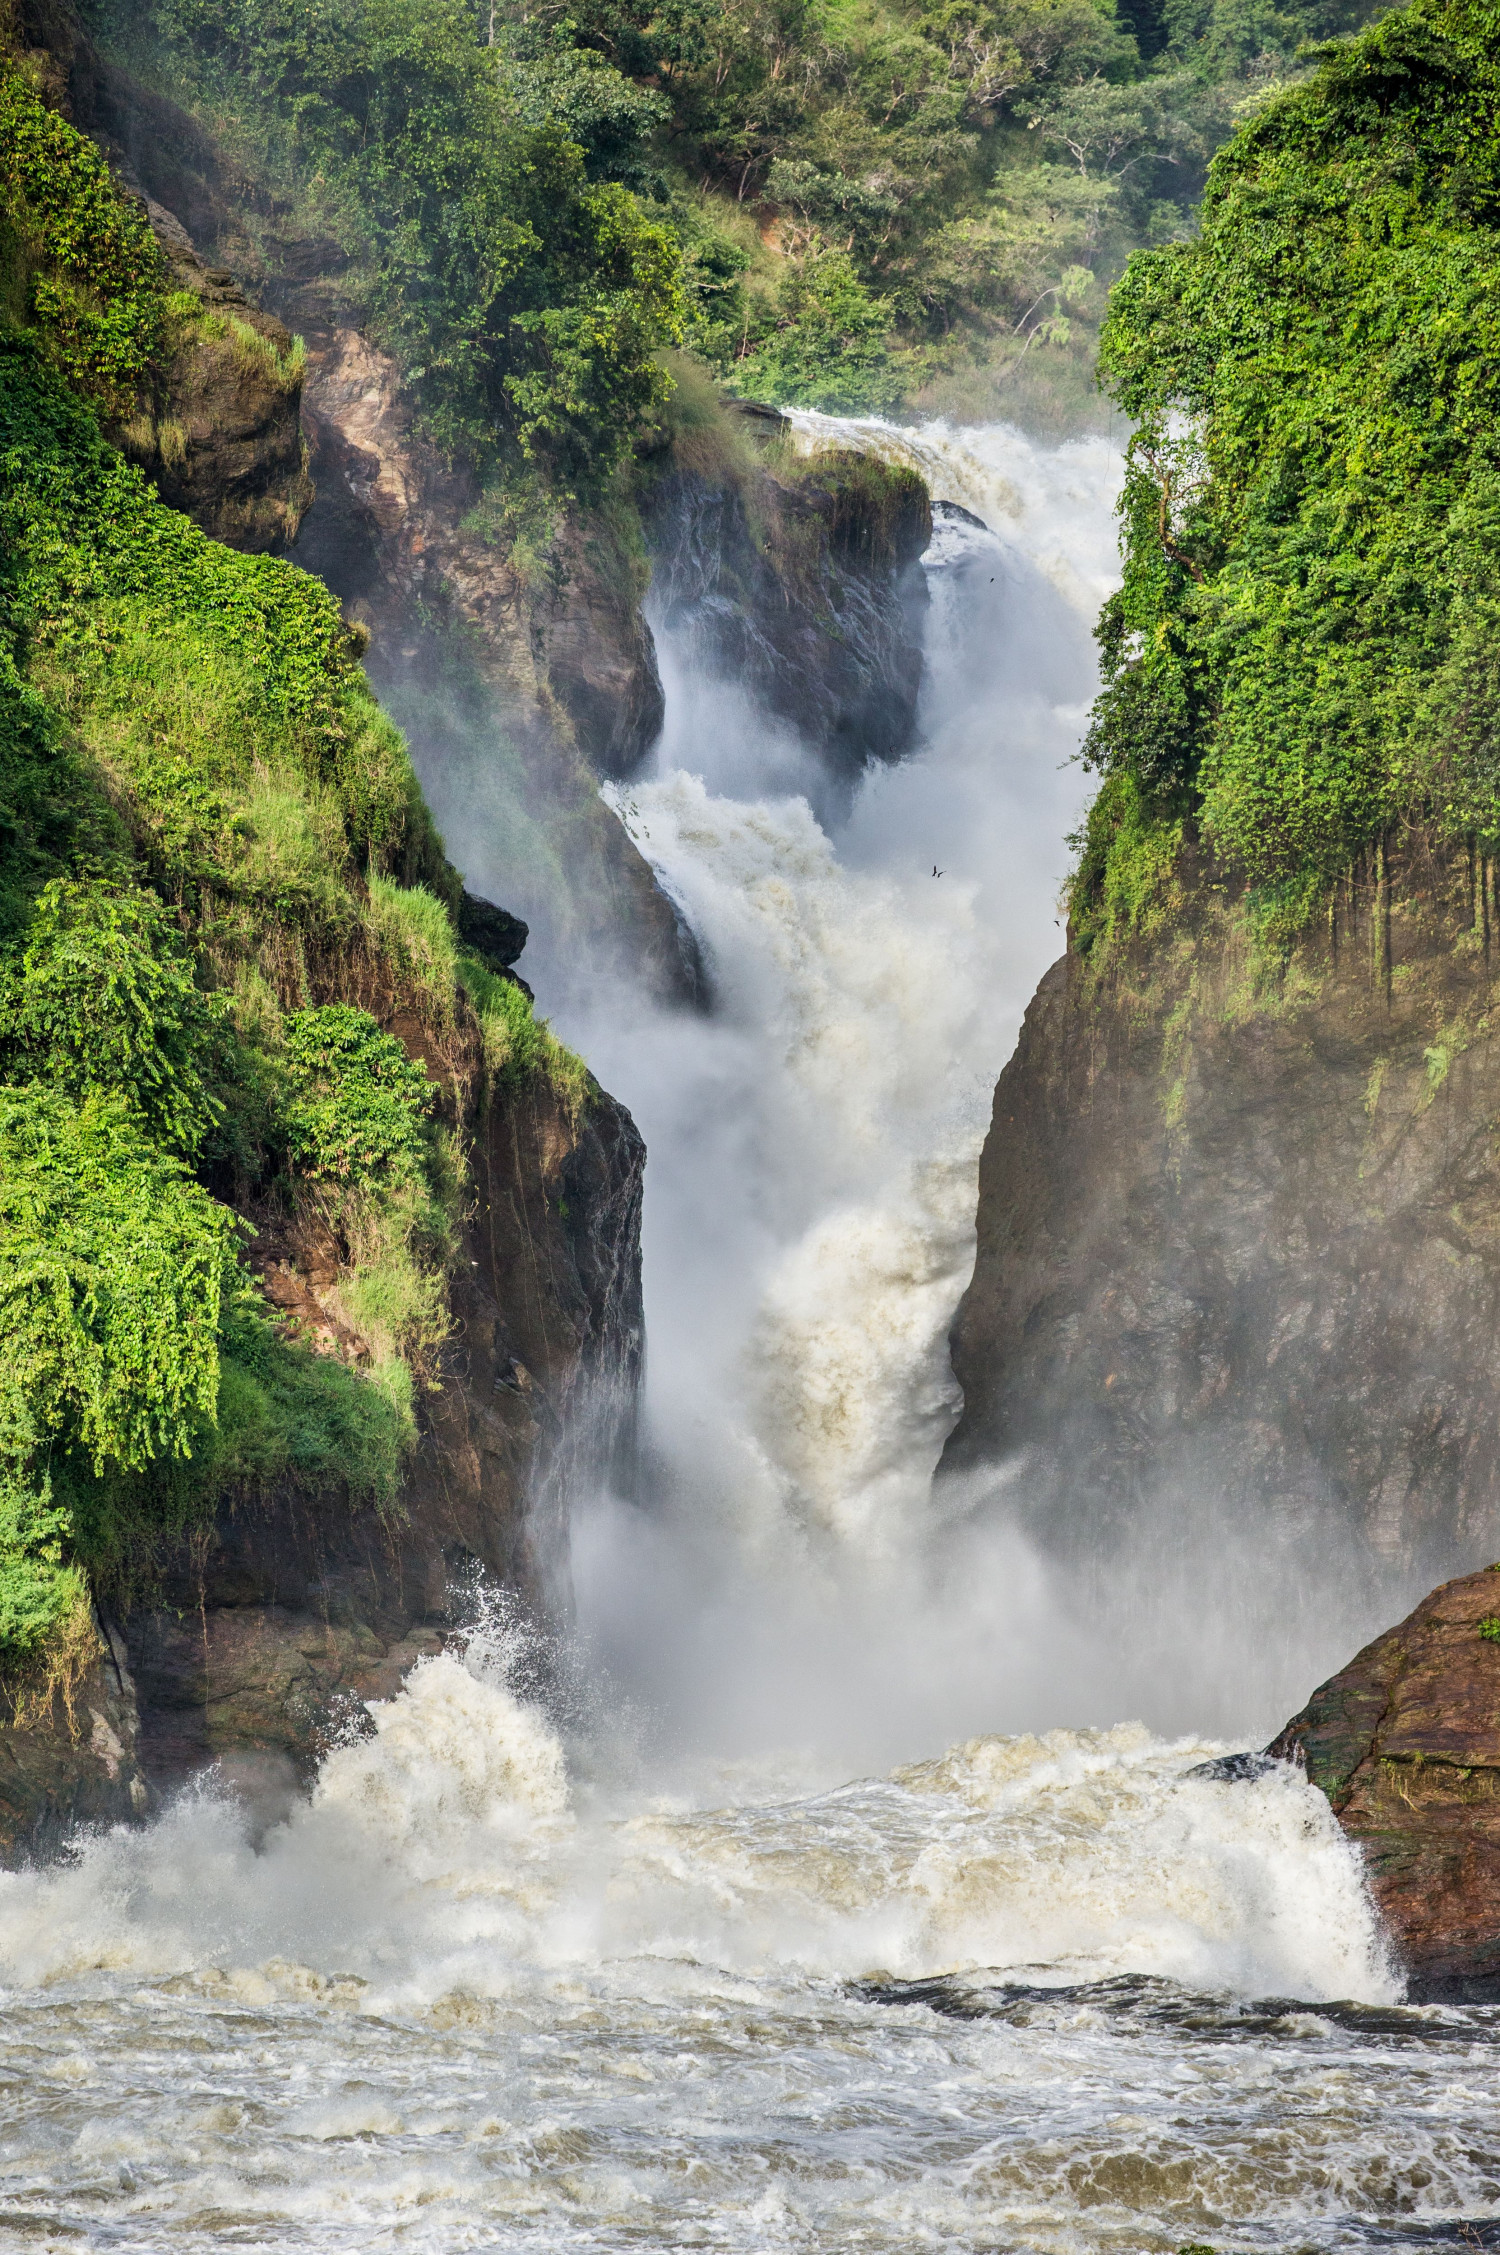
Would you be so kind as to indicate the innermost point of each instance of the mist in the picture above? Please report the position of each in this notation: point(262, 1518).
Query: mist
point(783, 1578)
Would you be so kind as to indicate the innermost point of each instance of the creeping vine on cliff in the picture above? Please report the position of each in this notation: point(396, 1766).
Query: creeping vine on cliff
point(1304, 649)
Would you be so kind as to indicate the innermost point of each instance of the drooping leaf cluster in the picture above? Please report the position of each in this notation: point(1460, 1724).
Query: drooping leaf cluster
point(102, 1001)
point(1304, 648)
point(113, 1266)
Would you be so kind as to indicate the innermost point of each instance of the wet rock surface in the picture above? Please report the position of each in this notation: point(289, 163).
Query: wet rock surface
point(69, 1753)
point(1239, 1239)
point(266, 1639)
point(800, 583)
point(1405, 1742)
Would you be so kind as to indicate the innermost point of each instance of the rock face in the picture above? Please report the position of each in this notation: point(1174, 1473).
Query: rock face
point(558, 670)
point(1239, 1228)
point(264, 1638)
point(229, 451)
point(799, 581)
point(69, 1753)
point(1405, 1742)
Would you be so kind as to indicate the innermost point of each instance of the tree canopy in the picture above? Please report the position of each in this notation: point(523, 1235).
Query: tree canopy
point(1305, 646)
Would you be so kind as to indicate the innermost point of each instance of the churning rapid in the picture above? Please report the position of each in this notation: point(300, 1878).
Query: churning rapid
point(715, 1945)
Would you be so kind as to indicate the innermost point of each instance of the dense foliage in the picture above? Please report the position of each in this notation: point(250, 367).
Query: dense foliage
point(192, 776)
point(526, 296)
point(207, 828)
point(1304, 650)
point(79, 256)
point(357, 1100)
point(844, 200)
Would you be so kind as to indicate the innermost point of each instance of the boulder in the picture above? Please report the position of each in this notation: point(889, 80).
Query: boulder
point(1405, 1742)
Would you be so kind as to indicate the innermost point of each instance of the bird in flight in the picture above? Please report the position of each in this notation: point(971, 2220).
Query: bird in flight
point(936, 871)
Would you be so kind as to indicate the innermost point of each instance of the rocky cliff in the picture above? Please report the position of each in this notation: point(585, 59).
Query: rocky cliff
point(796, 577)
point(254, 1640)
point(520, 662)
point(1239, 1228)
point(1405, 1742)
point(257, 1641)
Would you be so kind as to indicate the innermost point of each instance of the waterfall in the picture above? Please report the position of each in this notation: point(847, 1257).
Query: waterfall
point(814, 1144)
point(834, 1907)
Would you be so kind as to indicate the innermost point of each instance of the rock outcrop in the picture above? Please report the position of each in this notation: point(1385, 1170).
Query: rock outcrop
point(1405, 1742)
point(265, 1634)
point(549, 675)
point(222, 439)
point(1239, 1228)
point(797, 578)
point(69, 1751)
point(227, 448)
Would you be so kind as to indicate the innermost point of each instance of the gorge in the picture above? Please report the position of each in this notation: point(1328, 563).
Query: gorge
point(615, 1724)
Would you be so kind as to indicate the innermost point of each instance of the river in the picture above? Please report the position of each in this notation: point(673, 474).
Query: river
point(851, 1889)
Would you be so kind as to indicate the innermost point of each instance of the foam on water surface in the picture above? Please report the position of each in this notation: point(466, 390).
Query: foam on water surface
point(456, 2000)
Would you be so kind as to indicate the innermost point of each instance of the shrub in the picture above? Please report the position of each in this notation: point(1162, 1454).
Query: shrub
point(104, 1000)
point(830, 347)
point(525, 299)
point(288, 1413)
point(98, 284)
point(183, 660)
point(357, 1102)
point(113, 1265)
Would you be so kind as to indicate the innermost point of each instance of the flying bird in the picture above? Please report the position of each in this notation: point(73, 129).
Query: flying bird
point(936, 871)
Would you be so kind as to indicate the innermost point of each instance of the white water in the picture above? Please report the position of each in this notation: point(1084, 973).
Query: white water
point(742, 1959)
point(460, 2002)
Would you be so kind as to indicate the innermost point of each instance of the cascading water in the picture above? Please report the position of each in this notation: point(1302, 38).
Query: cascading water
point(659, 1974)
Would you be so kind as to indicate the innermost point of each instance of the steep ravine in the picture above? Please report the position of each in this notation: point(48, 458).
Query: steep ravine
point(253, 1644)
point(524, 670)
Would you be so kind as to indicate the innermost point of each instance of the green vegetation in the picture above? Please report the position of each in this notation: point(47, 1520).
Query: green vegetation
point(518, 1045)
point(209, 836)
point(76, 255)
point(1489, 1628)
point(847, 203)
point(525, 295)
point(358, 1101)
point(1304, 649)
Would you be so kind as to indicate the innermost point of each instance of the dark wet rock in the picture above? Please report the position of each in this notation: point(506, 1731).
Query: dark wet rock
point(798, 580)
point(265, 1643)
point(492, 932)
point(69, 1753)
point(1234, 1769)
point(1405, 1742)
point(227, 449)
point(1239, 1239)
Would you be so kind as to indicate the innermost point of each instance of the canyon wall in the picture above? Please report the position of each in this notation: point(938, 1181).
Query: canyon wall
point(254, 1642)
point(1239, 1228)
